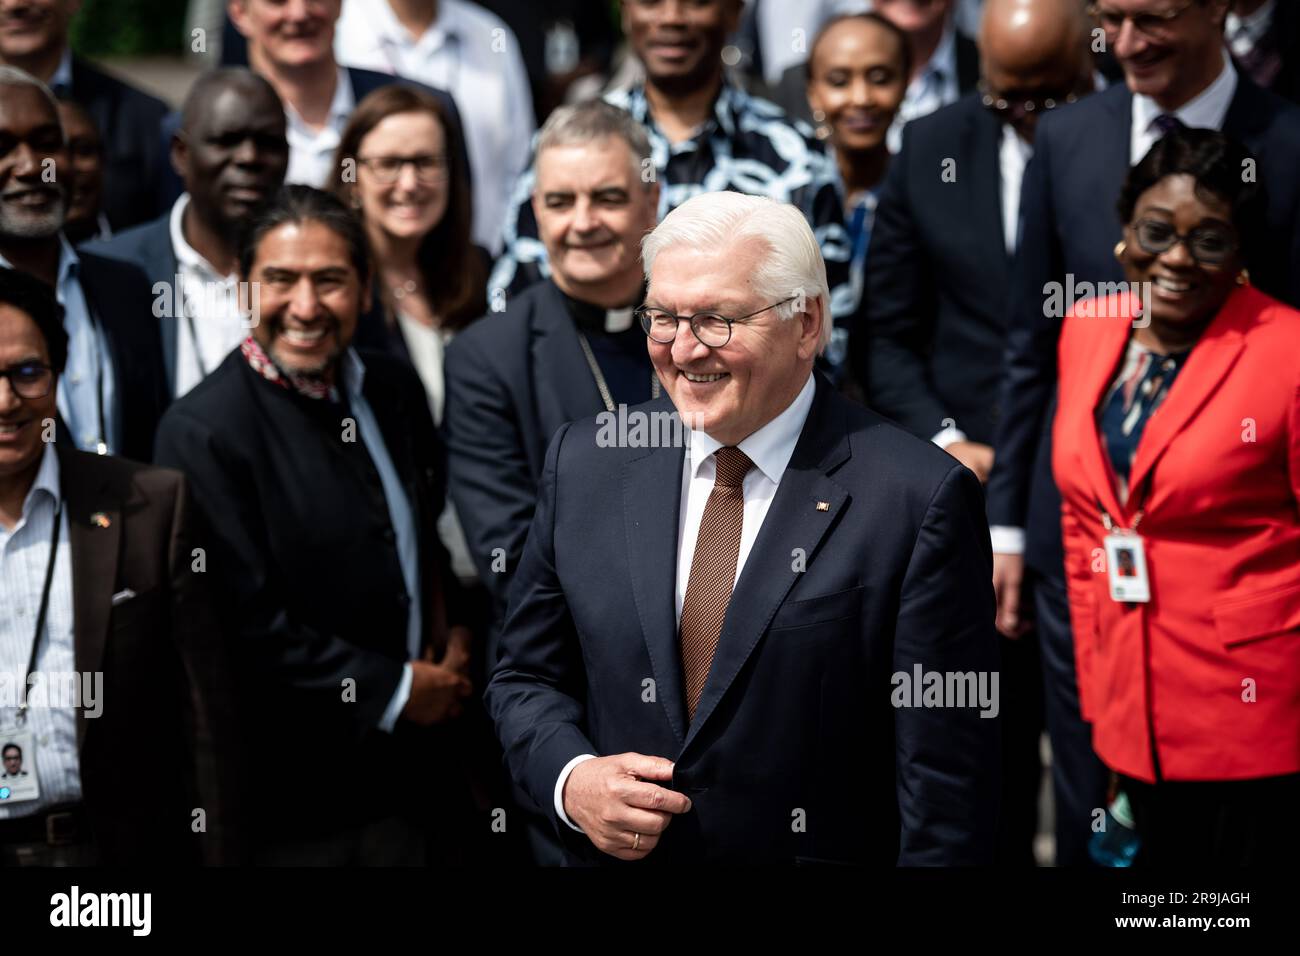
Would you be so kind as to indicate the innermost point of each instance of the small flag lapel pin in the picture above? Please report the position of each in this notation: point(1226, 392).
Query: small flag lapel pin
point(100, 520)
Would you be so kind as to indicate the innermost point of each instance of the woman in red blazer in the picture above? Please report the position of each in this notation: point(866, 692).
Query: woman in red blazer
point(1177, 452)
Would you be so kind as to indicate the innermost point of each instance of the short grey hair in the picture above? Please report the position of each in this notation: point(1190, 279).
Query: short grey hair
point(582, 123)
point(791, 266)
point(12, 76)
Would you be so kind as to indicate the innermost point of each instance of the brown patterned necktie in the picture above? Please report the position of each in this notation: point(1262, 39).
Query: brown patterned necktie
point(713, 571)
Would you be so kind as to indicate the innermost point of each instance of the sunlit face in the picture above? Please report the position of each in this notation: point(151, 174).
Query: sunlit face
point(1167, 64)
point(33, 164)
point(414, 204)
point(1183, 291)
point(34, 26)
point(592, 211)
point(288, 32)
point(310, 293)
point(679, 41)
point(21, 419)
point(732, 391)
point(857, 82)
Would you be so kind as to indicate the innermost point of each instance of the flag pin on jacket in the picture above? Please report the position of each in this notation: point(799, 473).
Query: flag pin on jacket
point(100, 520)
point(823, 506)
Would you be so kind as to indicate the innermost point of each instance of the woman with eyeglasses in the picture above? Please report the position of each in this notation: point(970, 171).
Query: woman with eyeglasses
point(398, 166)
point(1176, 447)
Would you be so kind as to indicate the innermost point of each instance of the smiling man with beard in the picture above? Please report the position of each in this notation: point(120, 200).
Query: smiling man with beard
point(319, 473)
point(114, 389)
point(232, 154)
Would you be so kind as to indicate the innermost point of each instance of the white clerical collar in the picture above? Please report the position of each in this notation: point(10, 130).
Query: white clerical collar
point(771, 446)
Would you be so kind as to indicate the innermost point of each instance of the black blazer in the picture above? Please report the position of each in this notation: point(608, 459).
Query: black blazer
point(170, 186)
point(128, 122)
point(149, 247)
point(937, 273)
point(511, 381)
point(120, 301)
point(1071, 225)
point(1283, 39)
point(797, 711)
point(168, 717)
point(314, 603)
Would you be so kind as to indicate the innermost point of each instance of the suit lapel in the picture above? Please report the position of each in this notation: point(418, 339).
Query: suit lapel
point(94, 536)
point(567, 391)
point(1114, 336)
point(983, 147)
point(794, 521)
point(652, 498)
point(1211, 359)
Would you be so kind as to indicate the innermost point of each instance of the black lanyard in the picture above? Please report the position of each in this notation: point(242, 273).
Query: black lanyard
point(1109, 524)
point(44, 606)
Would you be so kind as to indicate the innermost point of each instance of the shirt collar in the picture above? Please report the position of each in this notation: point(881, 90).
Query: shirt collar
point(186, 255)
point(1206, 110)
point(352, 371)
point(448, 25)
point(68, 261)
point(944, 59)
point(62, 77)
point(341, 105)
point(771, 446)
point(730, 102)
point(47, 479)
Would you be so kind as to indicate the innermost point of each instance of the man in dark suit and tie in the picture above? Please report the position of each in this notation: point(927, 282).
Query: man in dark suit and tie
point(565, 348)
point(34, 37)
point(115, 389)
point(231, 153)
point(715, 653)
point(100, 582)
point(1175, 71)
point(935, 304)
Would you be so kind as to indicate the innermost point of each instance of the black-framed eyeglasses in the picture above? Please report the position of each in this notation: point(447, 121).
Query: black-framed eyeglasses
point(1152, 24)
point(711, 328)
point(430, 168)
point(30, 379)
point(1208, 245)
point(1015, 107)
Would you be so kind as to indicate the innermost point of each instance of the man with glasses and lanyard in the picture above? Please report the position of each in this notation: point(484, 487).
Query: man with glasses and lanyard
point(115, 389)
point(97, 581)
point(1176, 72)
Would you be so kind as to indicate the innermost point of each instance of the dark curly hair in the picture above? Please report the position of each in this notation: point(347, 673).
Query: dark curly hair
point(298, 204)
point(1218, 164)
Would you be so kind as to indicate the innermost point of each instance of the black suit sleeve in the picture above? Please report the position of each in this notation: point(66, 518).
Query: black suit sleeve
point(900, 309)
point(240, 557)
point(537, 691)
point(1029, 378)
point(490, 479)
point(948, 759)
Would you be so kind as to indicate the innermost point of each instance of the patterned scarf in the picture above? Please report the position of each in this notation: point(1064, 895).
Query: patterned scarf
point(311, 386)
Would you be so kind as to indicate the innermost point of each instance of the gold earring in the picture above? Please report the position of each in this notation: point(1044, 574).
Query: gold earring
point(1243, 277)
point(823, 131)
point(1119, 249)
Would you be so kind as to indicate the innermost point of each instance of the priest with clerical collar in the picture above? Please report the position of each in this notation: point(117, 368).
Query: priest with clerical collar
point(566, 347)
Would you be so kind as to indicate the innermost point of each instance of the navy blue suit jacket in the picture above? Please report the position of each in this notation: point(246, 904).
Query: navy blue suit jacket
point(937, 271)
point(1070, 227)
point(796, 715)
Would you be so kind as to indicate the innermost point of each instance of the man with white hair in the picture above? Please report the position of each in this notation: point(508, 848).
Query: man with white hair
point(771, 642)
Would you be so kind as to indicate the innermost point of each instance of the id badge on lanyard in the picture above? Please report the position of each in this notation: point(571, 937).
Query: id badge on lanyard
point(1126, 561)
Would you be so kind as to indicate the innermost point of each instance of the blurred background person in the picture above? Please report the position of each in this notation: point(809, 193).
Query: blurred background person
point(935, 307)
point(114, 389)
point(95, 554)
point(86, 219)
point(231, 154)
point(945, 62)
point(343, 614)
point(1176, 72)
point(857, 72)
point(1193, 696)
point(34, 38)
point(1264, 38)
point(706, 134)
point(460, 47)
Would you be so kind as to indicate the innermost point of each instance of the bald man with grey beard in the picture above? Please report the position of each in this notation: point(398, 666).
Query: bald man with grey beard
point(938, 267)
point(231, 153)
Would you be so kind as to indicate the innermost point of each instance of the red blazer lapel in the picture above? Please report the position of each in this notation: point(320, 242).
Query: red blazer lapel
point(1111, 338)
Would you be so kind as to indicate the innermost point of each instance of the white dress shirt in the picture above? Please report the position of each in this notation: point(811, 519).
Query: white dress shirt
point(24, 555)
point(1206, 110)
point(935, 86)
point(474, 56)
point(87, 392)
point(213, 325)
point(311, 151)
point(769, 449)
